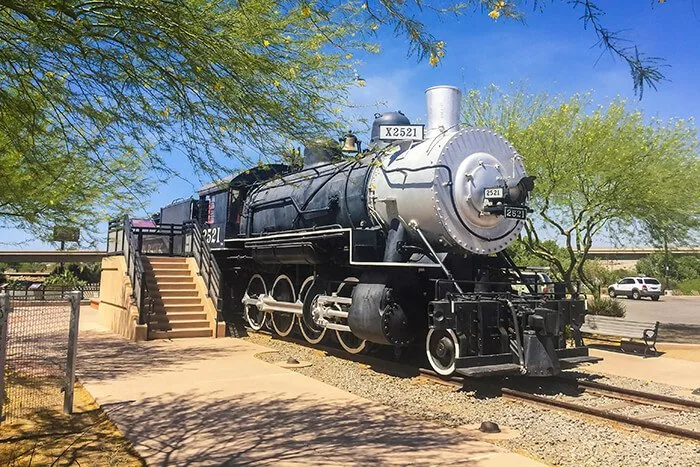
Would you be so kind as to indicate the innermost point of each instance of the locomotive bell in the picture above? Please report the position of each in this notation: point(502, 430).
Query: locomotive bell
point(349, 142)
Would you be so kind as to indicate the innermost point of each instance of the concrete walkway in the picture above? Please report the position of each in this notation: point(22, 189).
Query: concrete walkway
point(663, 369)
point(211, 402)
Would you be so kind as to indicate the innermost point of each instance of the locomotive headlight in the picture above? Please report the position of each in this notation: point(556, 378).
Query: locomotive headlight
point(518, 194)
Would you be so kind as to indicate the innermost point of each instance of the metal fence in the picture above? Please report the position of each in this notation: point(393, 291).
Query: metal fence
point(38, 342)
point(51, 292)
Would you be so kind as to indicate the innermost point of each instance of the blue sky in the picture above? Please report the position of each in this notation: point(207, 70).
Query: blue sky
point(551, 52)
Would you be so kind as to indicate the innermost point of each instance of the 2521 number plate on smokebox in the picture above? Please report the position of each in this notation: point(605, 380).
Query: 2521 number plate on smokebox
point(514, 213)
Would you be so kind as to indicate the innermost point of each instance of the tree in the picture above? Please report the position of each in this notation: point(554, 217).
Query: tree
point(46, 182)
point(680, 268)
point(597, 171)
point(113, 89)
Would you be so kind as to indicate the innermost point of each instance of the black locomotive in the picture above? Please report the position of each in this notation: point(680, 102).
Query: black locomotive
point(399, 245)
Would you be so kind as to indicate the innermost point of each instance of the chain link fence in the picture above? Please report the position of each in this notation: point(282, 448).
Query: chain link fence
point(37, 354)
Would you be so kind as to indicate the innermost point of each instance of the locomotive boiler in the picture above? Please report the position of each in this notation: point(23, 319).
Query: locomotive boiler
point(402, 244)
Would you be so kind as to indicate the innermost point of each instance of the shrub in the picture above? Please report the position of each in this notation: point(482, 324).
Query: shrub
point(606, 307)
point(64, 278)
point(689, 287)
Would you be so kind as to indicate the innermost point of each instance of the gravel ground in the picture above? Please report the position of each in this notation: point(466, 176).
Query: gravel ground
point(545, 434)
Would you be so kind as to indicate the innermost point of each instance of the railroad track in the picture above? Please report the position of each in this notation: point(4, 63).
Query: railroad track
point(628, 398)
point(665, 405)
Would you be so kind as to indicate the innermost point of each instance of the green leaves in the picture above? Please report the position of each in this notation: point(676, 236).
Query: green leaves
point(602, 169)
point(105, 93)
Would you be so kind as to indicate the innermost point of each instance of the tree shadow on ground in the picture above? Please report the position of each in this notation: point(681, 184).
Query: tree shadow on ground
point(202, 429)
point(47, 436)
point(103, 356)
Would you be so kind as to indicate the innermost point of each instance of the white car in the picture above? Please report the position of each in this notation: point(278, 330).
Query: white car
point(636, 288)
point(542, 279)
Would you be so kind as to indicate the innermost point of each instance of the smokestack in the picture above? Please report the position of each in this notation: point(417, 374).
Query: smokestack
point(443, 109)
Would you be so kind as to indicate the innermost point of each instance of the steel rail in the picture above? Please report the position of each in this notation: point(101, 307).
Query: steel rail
point(605, 414)
point(640, 394)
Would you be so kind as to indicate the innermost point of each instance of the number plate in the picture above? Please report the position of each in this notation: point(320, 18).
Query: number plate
point(493, 193)
point(514, 213)
point(401, 132)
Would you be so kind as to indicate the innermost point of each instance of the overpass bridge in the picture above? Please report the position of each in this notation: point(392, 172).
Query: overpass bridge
point(626, 258)
point(49, 256)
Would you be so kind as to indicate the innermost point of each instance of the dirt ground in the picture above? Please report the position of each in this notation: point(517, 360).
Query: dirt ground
point(49, 437)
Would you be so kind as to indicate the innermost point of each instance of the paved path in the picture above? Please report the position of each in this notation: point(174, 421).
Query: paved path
point(211, 402)
point(666, 370)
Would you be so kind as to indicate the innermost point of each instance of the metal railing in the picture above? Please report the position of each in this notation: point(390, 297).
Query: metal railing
point(208, 267)
point(51, 292)
point(136, 272)
point(116, 229)
point(162, 240)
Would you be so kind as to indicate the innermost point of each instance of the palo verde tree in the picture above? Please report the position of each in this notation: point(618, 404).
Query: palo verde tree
point(98, 93)
point(599, 170)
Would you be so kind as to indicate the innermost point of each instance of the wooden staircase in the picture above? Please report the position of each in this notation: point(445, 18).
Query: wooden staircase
point(178, 308)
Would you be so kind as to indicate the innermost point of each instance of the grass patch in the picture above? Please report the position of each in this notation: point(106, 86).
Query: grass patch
point(47, 436)
point(689, 287)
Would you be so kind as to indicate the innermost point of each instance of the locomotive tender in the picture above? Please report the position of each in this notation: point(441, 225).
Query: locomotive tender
point(402, 244)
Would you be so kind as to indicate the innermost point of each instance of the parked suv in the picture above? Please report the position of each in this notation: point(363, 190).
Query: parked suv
point(636, 288)
point(542, 279)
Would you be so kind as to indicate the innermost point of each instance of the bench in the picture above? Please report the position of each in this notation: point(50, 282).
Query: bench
point(607, 326)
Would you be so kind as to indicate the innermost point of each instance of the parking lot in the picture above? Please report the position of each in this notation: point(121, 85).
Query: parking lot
point(669, 309)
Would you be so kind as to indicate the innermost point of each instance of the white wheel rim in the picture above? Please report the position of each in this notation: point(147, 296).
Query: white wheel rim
point(278, 283)
point(339, 334)
point(437, 366)
point(248, 308)
point(349, 349)
point(308, 282)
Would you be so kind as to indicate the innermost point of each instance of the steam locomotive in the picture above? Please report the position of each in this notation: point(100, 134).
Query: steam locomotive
point(399, 245)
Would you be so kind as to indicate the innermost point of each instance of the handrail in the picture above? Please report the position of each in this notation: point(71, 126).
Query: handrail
point(128, 240)
point(208, 267)
point(136, 271)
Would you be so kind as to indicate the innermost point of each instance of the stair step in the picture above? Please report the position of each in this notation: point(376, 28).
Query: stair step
point(175, 307)
point(169, 279)
point(160, 272)
point(185, 324)
point(182, 293)
point(178, 300)
point(166, 259)
point(179, 316)
point(167, 266)
point(176, 333)
point(161, 286)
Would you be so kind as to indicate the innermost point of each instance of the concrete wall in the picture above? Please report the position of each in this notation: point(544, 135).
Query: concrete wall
point(117, 310)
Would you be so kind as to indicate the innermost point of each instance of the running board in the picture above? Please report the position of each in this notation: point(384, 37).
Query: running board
point(490, 370)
